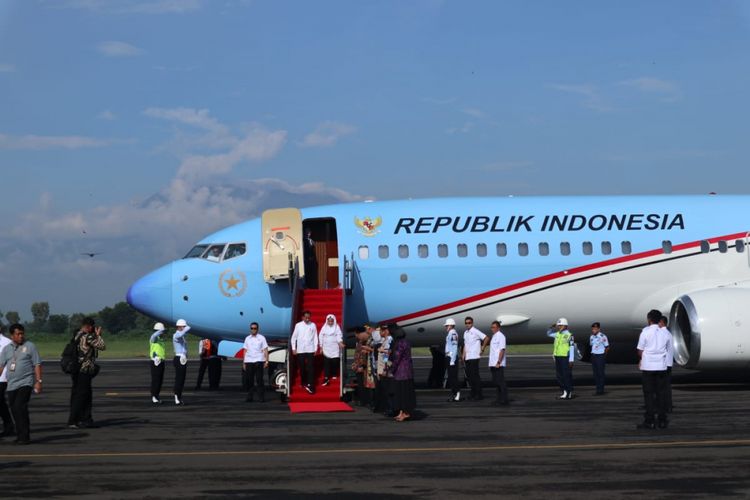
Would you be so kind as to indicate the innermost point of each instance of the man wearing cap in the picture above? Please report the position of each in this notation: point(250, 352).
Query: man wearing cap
point(157, 352)
point(180, 359)
point(474, 344)
point(256, 360)
point(599, 348)
point(451, 358)
point(497, 363)
point(563, 352)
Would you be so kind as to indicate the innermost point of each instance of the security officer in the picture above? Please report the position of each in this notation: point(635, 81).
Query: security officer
point(563, 352)
point(180, 359)
point(474, 344)
point(256, 359)
point(497, 363)
point(158, 353)
point(599, 349)
point(451, 358)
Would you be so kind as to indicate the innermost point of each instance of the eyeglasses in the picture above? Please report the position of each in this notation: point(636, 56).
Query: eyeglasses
point(467, 322)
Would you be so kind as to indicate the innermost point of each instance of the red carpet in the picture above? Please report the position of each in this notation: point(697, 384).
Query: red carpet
point(321, 407)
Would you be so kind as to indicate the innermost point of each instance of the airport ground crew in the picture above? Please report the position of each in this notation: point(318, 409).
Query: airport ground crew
point(157, 352)
point(180, 359)
point(563, 352)
point(474, 344)
point(663, 322)
point(497, 363)
point(451, 358)
point(255, 361)
point(652, 349)
point(599, 349)
point(304, 347)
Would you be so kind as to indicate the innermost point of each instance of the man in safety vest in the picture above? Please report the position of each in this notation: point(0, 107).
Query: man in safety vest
point(563, 352)
point(157, 352)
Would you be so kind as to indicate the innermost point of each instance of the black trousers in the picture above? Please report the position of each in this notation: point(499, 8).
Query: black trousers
point(306, 362)
point(452, 376)
point(180, 372)
point(157, 378)
point(598, 364)
point(254, 380)
point(214, 372)
point(330, 367)
point(201, 372)
point(19, 407)
point(364, 394)
point(4, 411)
point(498, 377)
point(564, 373)
point(81, 398)
point(654, 395)
point(668, 390)
point(475, 381)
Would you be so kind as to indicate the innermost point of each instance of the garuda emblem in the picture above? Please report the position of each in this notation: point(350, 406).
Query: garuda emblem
point(368, 226)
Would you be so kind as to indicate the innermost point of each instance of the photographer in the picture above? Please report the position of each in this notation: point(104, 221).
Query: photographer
point(90, 342)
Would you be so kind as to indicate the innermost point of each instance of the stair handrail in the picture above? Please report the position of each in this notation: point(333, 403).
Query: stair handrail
point(296, 290)
point(348, 270)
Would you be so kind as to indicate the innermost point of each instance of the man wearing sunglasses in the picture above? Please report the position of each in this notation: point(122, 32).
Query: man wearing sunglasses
point(256, 360)
point(474, 344)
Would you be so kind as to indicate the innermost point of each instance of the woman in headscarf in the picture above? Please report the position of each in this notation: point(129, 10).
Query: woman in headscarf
point(402, 368)
point(331, 342)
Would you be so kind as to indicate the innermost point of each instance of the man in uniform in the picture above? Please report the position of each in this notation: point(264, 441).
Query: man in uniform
point(304, 347)
point(563, 351)
point(451, 358)
point(652, 349)
point(474, 344)
point(90, 342)
point(497, 363)
point(179, 344)
point(157, 352)
point(21, 361)
point(256, 360)
point(599, 349)
point(8, 428)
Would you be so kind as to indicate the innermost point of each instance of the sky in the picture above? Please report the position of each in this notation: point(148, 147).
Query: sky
point(135, 128)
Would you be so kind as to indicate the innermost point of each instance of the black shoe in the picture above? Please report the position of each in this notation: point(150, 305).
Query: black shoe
point(646, 425)
point(87, 425)
point(325, 381)
point(21, 441)
point(662, 424)
point(73, 426)
point(309, 389)
point(248, 400)
point(8, 432)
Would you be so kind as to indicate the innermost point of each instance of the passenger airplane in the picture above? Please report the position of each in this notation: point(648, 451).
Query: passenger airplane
point(525, 261)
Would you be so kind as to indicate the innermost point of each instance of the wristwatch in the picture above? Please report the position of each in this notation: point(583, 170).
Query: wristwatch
point(39, 381)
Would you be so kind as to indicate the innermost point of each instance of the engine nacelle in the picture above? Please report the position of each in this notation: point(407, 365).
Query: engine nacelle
point(711, 329)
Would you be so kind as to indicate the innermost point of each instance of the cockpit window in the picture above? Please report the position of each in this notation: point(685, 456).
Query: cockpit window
point(214, 253)
point(235, 250)
point(196, 252)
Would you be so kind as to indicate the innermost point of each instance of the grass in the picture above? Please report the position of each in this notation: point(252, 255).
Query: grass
point(136, 346)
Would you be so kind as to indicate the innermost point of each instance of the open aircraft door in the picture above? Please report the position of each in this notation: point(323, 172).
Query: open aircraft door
point(282, 243)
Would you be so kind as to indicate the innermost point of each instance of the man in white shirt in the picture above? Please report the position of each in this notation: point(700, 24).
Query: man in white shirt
point(652, 349)
point(474, 344)
point(304, 347)
point(255, 362)
point(8, 428)
point(497, 364)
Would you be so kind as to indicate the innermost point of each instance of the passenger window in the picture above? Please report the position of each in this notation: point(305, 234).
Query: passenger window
point(213, 254)
point(502, 250)
point(235, 250)
point(481, 250)
point(543, 248)
point(423, 251)
point(196, 252)
point(666, 246)
point(523, 249)
point(626, 248)
point(442, 250)
point(739, 245)
point(403, 251)
point(364, 252)
point(565, 248)
point(606, 247)
point(383, 251)
point(705, 246)
point(723, 246)
point(588, 248)
point(462, 250)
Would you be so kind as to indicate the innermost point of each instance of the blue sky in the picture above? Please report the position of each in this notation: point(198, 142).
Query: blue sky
point(131, 119)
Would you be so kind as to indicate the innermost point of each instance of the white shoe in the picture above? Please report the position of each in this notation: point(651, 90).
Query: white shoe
point(177, 400)
point(458, 396)
point(564, 395)
point(155, 400)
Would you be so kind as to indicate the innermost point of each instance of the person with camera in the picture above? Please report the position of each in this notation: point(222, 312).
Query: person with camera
point(89, 342)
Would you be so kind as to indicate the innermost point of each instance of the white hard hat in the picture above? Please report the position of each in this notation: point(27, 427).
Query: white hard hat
point(562, 322)
point(449, 322)
point(159, 326)
point(182, 322)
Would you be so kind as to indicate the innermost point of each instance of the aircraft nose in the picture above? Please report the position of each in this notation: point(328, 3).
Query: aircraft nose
point(152, 294)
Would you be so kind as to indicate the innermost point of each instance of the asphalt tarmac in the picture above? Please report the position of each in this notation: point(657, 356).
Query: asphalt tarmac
point(218, 446)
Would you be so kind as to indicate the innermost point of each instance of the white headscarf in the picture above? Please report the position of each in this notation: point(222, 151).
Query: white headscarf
point(330, 336)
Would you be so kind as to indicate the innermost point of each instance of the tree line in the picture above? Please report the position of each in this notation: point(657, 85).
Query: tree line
point(118, 319)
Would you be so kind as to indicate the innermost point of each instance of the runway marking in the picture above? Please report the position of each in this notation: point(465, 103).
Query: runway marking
point(544, 447)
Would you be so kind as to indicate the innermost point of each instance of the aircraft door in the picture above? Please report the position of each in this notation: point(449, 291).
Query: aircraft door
point(282, 243)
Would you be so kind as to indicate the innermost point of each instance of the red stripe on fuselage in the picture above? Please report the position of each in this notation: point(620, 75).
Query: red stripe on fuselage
point(559, 274)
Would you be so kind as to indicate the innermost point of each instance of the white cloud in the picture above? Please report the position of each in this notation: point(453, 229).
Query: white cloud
point(465, 129)
point(189, 116)
point(107, 115)
point(39, 142)
point(7, 68)
point(114, 48)
point(134, 6)
point(669, 91)
point(592, 98)
point(327, 134)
